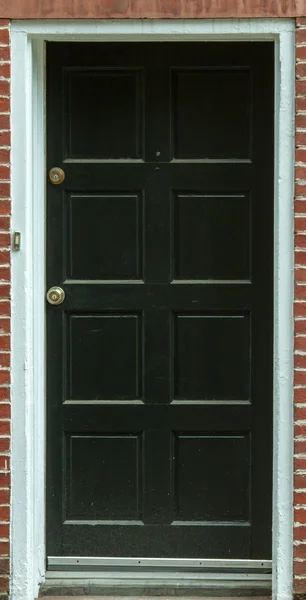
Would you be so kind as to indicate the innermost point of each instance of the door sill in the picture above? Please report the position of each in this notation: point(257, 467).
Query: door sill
point(157, 577)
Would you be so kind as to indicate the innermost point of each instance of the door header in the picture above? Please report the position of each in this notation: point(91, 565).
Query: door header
point(150, 9)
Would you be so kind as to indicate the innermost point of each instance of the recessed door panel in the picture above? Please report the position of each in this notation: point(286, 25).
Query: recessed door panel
point(105, 236)
point(211, 113)
point(212, 236)
point(108, 348)
point(212, 357)
point(212, 476)
point(103, 477)
point(103, 117)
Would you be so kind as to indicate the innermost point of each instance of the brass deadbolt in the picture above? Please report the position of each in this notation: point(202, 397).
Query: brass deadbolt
point(55, 295)
point(56, 175)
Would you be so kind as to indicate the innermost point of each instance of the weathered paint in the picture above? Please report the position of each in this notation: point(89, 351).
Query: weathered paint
point(151, 9)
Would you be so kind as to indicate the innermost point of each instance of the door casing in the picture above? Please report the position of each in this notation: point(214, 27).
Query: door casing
point(28, 319)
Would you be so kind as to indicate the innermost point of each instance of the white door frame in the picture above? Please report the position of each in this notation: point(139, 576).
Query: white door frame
point(28, 271)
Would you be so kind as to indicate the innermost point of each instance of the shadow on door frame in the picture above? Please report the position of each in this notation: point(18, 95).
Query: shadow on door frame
point(28, 271)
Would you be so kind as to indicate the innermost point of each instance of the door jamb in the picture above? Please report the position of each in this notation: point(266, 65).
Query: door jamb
point(28, 271)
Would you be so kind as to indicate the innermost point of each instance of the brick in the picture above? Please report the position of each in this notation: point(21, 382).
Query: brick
point(4, 530)
point(4, 398)
point(4, 36)
point(300, 586)
point(299, 205)
point(5, 120)
point(5, 187)
point(299, 430)
point(4, 516)
point(5, 53)
point(4, 154)
point(5, 88)
point(5, 481)
point(299, 240)
point(300, 85)
point(5, 170)
point(300, 498)
point(299, 277)
point(5, 256)
point(299, 360)
point(4, 465)
point(300, 328)
point(299, 223)
point(299, 462)
point(5, 429)
point(4, 377)
point(299, 533)
point(301, 53)
point(301, 70)
point(299, 484)
point(300, 170)
point(5, 207)
point(5, 308)
point(299, 568)
point(300, 258)
point(299, 344)
point(4, 548)
point(300, 551)
point(5, 136)
point(5, 275)
point(5, 240)
point(300, 136)
point(299, 274)
point(300, 190)
point(300, 393)
point(4, 497)
point(299, 415)
point(300, 309)
point(300, 293)
point(5, 360)
point(4, 102)
point(300, 154)
point(5, 71)
point(300, 36)
point(4, 565)
point(300, 120)
point(300, 377)
point(4, 584)
point(5, 410)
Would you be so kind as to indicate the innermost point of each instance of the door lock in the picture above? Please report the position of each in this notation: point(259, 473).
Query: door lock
point(55, 295)
point(56, 175)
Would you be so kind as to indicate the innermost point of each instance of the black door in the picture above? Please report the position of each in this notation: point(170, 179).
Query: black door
point(160, 357)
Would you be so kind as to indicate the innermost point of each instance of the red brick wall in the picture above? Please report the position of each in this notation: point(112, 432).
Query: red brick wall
point(150, 9)
point(5, 209)
point(300, 309)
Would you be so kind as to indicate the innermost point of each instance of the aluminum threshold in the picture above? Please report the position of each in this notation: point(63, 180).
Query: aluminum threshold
point(149, 576)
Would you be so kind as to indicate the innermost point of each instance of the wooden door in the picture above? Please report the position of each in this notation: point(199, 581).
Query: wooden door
point(160, 357)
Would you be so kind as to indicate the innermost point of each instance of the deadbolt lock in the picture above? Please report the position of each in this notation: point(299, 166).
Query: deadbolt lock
point(56, 175)
point(55, 295)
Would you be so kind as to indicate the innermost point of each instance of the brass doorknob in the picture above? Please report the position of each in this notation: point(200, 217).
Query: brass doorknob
point(55, 295)
point(56, 175)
